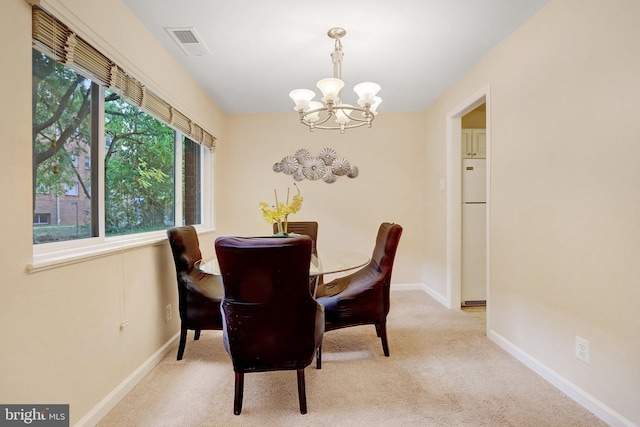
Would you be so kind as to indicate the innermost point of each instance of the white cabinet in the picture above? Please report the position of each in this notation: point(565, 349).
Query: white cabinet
point(474, 143)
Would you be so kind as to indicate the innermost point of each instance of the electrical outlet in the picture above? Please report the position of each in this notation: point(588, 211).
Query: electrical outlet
point(167, 313)
point(582, 349)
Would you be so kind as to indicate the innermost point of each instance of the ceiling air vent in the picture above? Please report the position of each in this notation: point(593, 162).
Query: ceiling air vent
point(189, 41)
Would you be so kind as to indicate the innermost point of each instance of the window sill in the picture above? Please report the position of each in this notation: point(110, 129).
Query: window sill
point(55, 255)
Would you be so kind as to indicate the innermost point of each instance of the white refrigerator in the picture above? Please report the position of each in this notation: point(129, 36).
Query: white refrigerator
point(474, 259)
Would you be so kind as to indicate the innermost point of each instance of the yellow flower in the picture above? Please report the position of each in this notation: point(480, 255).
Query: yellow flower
point(280, 212)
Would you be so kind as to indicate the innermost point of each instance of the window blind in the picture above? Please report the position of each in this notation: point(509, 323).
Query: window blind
point(56, 40)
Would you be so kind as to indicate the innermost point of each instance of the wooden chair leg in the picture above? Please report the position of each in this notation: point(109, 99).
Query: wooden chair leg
point(237, 400)
point(302, 394)
point(319, 358)
point(383, 336)
point(183, 342)
point(197, 335)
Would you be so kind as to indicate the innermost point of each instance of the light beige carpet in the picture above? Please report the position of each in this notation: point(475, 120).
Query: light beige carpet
point(442, 371)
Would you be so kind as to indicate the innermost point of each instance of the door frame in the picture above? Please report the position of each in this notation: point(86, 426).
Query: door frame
point(454, 196)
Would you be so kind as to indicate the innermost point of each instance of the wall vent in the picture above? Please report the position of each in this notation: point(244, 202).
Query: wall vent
point(189, 41)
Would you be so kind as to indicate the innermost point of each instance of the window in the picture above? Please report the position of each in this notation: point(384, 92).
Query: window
point(139, 158)
point(146, 164)
point(191, 182)
point(72, 191)
point(139, 169)
point(62, 120)
point(41, 219)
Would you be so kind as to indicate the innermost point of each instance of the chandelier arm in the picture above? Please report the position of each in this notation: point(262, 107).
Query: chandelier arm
point(357, 119)
point(338, 127)
point(308, 123)
point(366, 116)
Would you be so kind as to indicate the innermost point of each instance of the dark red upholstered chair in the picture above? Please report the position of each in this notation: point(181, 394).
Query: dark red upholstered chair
point(362, 298)
point(271, 321)
point(199, 293)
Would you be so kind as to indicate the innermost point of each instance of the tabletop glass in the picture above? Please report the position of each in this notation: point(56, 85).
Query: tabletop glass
point(334, 261)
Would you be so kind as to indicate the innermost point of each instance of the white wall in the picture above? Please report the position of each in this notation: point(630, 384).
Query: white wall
point(565, 199)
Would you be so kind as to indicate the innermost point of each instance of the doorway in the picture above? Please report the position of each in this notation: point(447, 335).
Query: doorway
point(454, 197)
point(473, 176)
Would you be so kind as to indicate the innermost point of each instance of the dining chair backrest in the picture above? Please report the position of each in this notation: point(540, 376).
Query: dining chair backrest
point(306, 228)
point(185, 248)
point(384, 252)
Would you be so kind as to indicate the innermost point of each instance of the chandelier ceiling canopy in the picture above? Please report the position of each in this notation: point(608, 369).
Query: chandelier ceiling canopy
point(319, 115)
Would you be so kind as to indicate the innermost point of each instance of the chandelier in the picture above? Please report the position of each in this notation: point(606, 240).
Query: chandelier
point(317, 115)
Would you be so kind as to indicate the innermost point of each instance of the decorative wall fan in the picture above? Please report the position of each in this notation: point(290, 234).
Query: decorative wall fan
point(326, 166)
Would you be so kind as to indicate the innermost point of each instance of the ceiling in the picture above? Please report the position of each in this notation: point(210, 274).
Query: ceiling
point(261, 50)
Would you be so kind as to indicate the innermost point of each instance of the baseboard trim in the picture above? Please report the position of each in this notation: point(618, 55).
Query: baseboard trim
point(101, 409)
point(420, 287)
point(586, 400)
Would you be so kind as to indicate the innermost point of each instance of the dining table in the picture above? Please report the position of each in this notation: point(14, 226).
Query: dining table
point(329, 262)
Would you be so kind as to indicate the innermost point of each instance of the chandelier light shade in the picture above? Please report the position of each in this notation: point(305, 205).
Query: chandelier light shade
point(318, 115)
point(330, 88)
